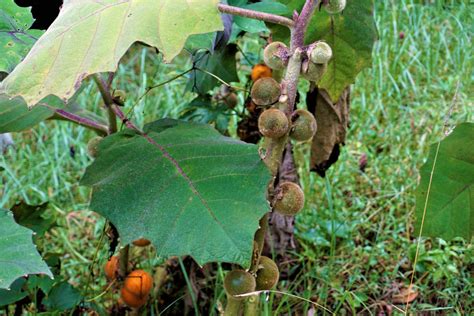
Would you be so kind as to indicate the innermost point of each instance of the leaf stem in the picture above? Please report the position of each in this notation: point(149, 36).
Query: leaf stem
point(83, 121)
point(267, 17)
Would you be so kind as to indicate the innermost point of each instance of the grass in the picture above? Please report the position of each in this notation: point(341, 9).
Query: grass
point(399, 107)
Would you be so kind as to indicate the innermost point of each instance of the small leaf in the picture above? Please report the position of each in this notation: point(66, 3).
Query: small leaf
point(91, 37)
point(15, 293)
point(18, 255)
point(450, 200)
point(221, 64)
point(16, 38)
point(63, 296)
point(184, 187)
point(31, 216)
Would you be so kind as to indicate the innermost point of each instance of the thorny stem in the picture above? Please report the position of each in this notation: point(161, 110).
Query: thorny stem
point(272, 18)
point(108, 101)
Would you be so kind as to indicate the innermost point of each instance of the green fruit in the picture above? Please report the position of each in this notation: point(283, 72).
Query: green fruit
point(335, 6)
point(315, 72)
point(273, 123)
point(239, 282)
point(320, 53)
point(231, 100)
point(92, 146)
point(267, 274)
point(303, 125)
point(272, 53)
point(265, 91)
point(119, 97)
point(289, 199)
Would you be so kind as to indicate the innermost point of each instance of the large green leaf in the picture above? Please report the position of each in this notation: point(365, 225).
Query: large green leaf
point(91, 36)
point(185, 187)
point(351, 36)
point(18, 254)
point(16, 38)
point(450, 199)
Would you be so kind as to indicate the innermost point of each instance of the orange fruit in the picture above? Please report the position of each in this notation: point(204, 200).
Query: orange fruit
point(142, 242)
point(111, 267)
point(138, 283)
point(260, 71)
point(132, 300)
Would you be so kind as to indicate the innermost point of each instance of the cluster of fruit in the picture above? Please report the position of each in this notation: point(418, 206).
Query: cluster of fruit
point(137, 284)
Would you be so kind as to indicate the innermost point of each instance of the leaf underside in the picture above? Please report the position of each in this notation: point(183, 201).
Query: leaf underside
point(91, 36)
point(450, 204)
point(184, 187)
point(18, 254)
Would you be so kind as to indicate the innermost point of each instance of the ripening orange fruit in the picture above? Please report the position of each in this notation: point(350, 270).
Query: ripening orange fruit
point(111, 267)
point(260, 71)
point(132, 300)
point(142, 242)
point(138, 283)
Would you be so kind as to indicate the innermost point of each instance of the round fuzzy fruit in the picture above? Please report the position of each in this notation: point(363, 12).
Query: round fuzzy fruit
point(138, 283)
point(142, 242)
point(239, 282)
point(289, 199)
point(132, 300)
point(315, 72)
point(92, 146)
point(320, 53)
point(335, 6)
point(260, 71)
point(271, 55)
point(265, 91)
point(111, 267)
point(267, 274)
point(273, 123)
point(303, 125)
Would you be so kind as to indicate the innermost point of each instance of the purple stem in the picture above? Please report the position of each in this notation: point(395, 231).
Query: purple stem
point(267, 17)
point(301, 23)
point(83, 121)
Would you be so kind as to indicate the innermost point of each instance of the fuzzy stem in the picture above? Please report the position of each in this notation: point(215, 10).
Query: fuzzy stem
point(108, 101)
point(272, 18)
point(233, 306)
point(252, 306)
point(60, 114)
point(301, 23)
point(290, 82)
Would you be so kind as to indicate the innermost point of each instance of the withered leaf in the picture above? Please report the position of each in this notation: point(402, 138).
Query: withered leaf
point(333, 121)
